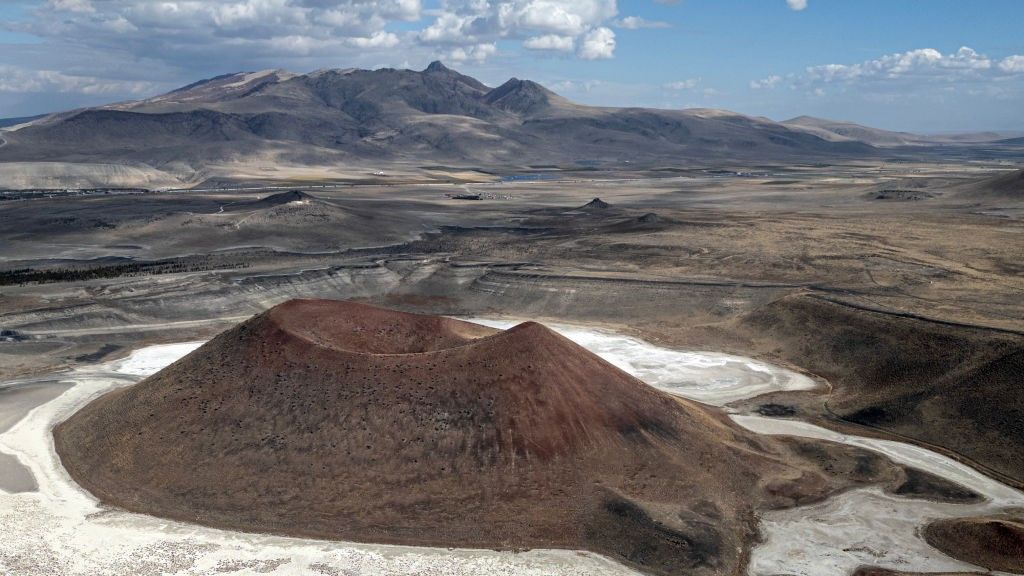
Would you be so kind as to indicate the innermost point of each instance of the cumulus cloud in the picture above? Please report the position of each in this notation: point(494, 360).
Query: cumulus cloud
point(636, 23)
point(84, 6)
point(597, 44)
point(476, 53)
point(448, 28)
point(16, 79)
point(125, 48)
point(104, 46)
point(378, 39)
point(923, 72)
point(540, 25)
point(550, 42)
point(796, 4)
point(181, 30)
point(189, 38)
point(460, 21)
point(688, 84)
point(766, 83)
point(577, 86)
point(1012, 64)
point(924, 64)
point(565, 17)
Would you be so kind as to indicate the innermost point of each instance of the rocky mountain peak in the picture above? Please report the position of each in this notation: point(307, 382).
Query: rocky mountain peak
point(436, 66)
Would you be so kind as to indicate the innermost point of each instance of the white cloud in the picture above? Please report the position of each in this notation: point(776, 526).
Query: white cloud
point(184, 30)
point(82, 6)
point(15, 79)
point(924, 64)
point(550, 42)
point(923, 73)
point(461, 20)
point(448, 28)
point(766, 83)
point(184, 39)
point(378, 39)
point(87, 44)
point(597, 44)
point(1012, 64)
point(797, 4)
point(102, 46)
point(541, 24)
point(476, 53)
point(688, 84)
point(577, 86)
point(559, 16)
point(118, 25)
point(291, 45)
point(636, 23)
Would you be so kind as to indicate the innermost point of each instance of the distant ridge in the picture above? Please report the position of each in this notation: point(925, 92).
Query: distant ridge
point(843, 131)
point(1008, 186)
point(7, 122)
point(433, 116)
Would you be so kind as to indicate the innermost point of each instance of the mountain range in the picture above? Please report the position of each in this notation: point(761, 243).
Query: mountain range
point(373, 117)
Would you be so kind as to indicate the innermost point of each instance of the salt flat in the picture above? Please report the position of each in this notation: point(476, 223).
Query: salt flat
point(60, 529)
point(17, 399)
point(708, 377)
point(867, 526)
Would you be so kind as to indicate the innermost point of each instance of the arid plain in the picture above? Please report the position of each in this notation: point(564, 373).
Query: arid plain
point(896, 286)
point(511, 288)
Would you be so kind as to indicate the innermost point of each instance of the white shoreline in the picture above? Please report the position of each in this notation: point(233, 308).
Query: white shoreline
point(709, 377)
point(63, 529)
point(63, 526)
point(865, 526)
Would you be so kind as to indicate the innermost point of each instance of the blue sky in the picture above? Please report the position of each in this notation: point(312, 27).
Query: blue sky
point(925, 65)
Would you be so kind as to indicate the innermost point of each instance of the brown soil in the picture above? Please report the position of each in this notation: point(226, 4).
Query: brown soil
point(1008, 186)
point(995, 542)
point(903, 375)
point(341, 420)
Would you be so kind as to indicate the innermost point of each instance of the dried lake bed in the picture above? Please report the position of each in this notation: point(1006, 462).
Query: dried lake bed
point(54, 527)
